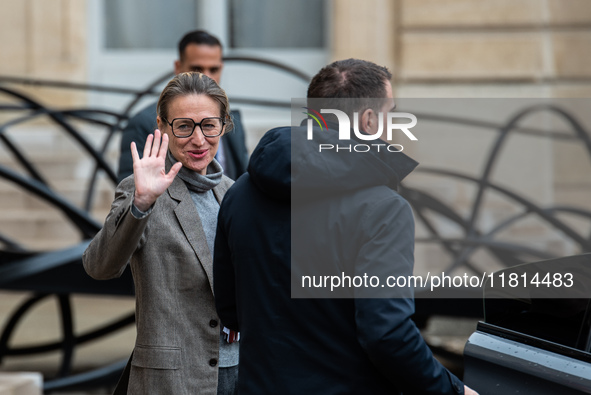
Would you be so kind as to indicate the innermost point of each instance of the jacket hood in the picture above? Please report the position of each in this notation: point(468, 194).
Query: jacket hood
point(286, 159)
point(270, 164)
point(342, 168)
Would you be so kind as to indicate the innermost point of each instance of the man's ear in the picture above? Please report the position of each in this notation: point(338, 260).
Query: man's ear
point(160, 123)
point(367, 121)
point(177, 67)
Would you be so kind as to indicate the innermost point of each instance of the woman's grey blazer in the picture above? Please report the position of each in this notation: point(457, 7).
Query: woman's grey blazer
point(178, 330)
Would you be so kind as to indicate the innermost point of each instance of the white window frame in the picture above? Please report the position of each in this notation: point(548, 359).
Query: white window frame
point(137, 68)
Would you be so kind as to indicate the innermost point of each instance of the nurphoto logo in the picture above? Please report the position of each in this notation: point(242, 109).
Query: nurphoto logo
point(345, 130)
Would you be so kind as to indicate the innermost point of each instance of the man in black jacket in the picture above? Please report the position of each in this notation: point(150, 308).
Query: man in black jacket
point(202, 52)
point(300, 211)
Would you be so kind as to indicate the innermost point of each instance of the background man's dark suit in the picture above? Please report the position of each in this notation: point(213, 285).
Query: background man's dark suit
point(144, 123)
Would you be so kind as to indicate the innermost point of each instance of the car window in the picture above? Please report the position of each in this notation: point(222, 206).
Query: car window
point(549, 300)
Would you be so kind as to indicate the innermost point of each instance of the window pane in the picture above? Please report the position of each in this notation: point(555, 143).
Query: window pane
point(148, 24)
point(277, 24)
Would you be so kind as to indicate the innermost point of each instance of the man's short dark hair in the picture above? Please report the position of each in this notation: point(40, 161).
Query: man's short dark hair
point(198, 37)
point(350, 79)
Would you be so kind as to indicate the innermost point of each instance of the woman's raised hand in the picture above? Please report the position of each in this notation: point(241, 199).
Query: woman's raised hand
point(149, 173)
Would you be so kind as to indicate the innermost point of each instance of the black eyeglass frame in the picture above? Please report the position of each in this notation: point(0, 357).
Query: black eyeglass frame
point(194, 125)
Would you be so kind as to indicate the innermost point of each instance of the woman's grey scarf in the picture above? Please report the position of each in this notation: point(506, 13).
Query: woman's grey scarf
point(197, 182)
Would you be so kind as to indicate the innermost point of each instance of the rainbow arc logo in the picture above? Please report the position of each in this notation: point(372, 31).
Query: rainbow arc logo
point(316, 117)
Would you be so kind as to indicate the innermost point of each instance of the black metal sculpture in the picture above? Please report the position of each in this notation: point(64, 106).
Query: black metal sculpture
point(60, 273)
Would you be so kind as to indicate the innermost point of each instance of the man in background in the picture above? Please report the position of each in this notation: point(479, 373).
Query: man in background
point(202, 52)
point(299, 209)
